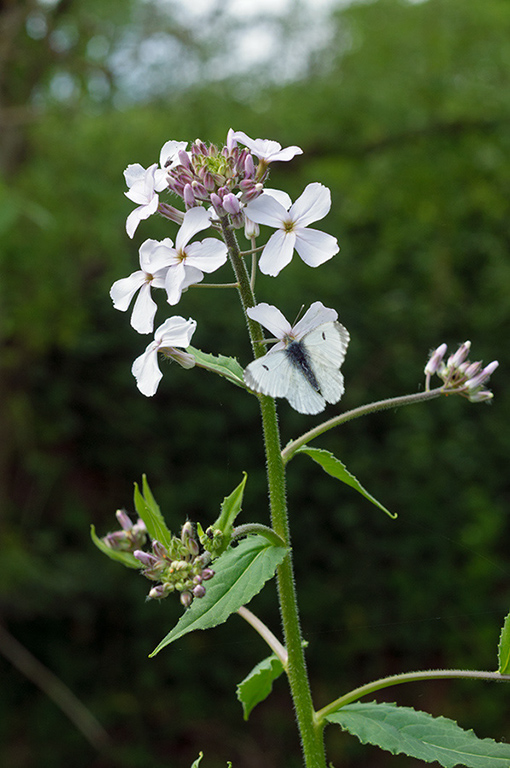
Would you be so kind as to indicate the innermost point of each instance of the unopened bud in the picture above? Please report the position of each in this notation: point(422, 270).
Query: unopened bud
point(188, 196)
point(123, 519)
point(435, 360)
point(199, 591)
point(207, 574)
point(460, 355)
point(159, 550)
point(145, 558)
point(186, 599)
point(231, 204)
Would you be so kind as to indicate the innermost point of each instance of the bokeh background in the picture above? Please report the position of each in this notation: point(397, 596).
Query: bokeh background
point(403, 110)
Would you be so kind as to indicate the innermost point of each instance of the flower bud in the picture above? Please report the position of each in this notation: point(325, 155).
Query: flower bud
point(199, 591)
point(186, 599)
point(124, 519)
point(184, 159)
point(460, 355)
point(231, 204)
point(207, 574)
point(159, 550)
point(435, 360)
point(145, 558)
point(249, 167)
point(188, 196)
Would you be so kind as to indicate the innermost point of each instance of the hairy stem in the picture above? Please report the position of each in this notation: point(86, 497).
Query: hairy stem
point(311, 734)
point(408, 677)
point(380, 405)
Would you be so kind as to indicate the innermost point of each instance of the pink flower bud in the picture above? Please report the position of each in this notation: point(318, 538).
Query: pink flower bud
point(188, 196)
point(124, 519)
point(145, 558)
point(435, 360)
point(460, 355)
point(199, 591)
point(186, 599)
point(231, 204)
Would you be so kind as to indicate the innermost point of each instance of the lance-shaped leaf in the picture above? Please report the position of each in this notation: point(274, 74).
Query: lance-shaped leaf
point(224, 366)
point(239, 574)
point(258, 684)
point(419, 735)
point(504, 648)
point(230, 508)
point(150, 513)
point(126, 558)
point(337, 469)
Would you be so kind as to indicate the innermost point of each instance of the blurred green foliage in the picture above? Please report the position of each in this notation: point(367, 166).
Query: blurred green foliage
point(405, 116)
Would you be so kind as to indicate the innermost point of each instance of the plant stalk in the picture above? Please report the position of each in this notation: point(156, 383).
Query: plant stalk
point(311, 734)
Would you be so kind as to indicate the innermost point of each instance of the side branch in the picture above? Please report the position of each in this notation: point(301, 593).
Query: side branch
point(363, 410)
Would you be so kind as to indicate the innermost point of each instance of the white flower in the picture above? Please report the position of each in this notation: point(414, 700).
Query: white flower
point(175, 332)
point(152, 274)
point(188, 262)
point(313, 246)
point(144, 184)
point(266, 150)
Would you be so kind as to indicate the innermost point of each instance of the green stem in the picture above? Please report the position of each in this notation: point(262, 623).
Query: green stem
point(408, 677)
point(262, 530)
point(380, 405)
point(311, 734)
point(265, 634)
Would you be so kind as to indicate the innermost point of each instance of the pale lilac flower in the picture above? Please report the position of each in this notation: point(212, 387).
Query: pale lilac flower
point(459, 375)
point(145, 183)
point(154, 263)
point(314, 247)
point(175, 332)
point(188, 261)
point(266, 150)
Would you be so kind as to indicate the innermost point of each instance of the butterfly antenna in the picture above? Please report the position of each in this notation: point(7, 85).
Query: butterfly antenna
point(298, 315)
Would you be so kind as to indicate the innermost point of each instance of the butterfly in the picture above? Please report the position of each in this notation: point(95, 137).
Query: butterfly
point(304, 367)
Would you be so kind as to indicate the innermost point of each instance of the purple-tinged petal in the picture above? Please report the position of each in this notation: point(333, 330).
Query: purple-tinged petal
point(315, 247)
point(312, 205)
point(277, 253)
point(271, 318)
point(265, 209)
point(195, 220)
point(123, 290)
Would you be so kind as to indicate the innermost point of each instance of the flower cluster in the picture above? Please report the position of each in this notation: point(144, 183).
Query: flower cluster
point(177, 568)
point(459, 374)
point(219, 187)
point(131, 535)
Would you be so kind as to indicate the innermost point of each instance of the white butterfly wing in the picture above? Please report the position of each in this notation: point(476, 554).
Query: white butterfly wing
point(326, 347)
point(269, 375)
point(302, 396)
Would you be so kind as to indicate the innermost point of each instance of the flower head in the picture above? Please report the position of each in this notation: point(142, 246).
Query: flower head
point(291, 222)
point(154, 263)
point(460, 375)
point(187, 261)
point(175, 332)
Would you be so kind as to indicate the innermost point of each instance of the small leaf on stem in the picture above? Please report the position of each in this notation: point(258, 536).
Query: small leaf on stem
point(504, 648)
point(150, 513)
point(258, 684)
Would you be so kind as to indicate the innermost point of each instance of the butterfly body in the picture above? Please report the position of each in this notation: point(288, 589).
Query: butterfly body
point(306, 371)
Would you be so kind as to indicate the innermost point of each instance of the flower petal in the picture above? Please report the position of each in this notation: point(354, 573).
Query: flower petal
point(315, 247)
point(312, 205)
point(277, 253)
point(208, 255)
point(144, 311)
point(176, 332)
point(169, 154)
point(195, 220)
point(271, 318)
point(146, 371)
point(140, 213)
point(174, 282)
point(192, 276)
point(123, 290)
point(134, 172)
point(265, 209)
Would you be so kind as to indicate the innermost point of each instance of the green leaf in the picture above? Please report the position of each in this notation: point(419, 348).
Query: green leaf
point(337, 469)
point(224, 366)
point(504, 648)
point(259, 683)
point(419, 735)
point(197, 761)
point(126, 558)
point(230, 508)
point(239, 575)
point(150, 513)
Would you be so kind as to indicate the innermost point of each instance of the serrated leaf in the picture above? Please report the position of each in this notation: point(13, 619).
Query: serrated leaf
point(150, 513)
point(230, 508)
point(259, 683)
point(504, 648)
point(224, 366)
point(239, 574)
point(419, 735)
point(126, 558)
point(337, 469)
